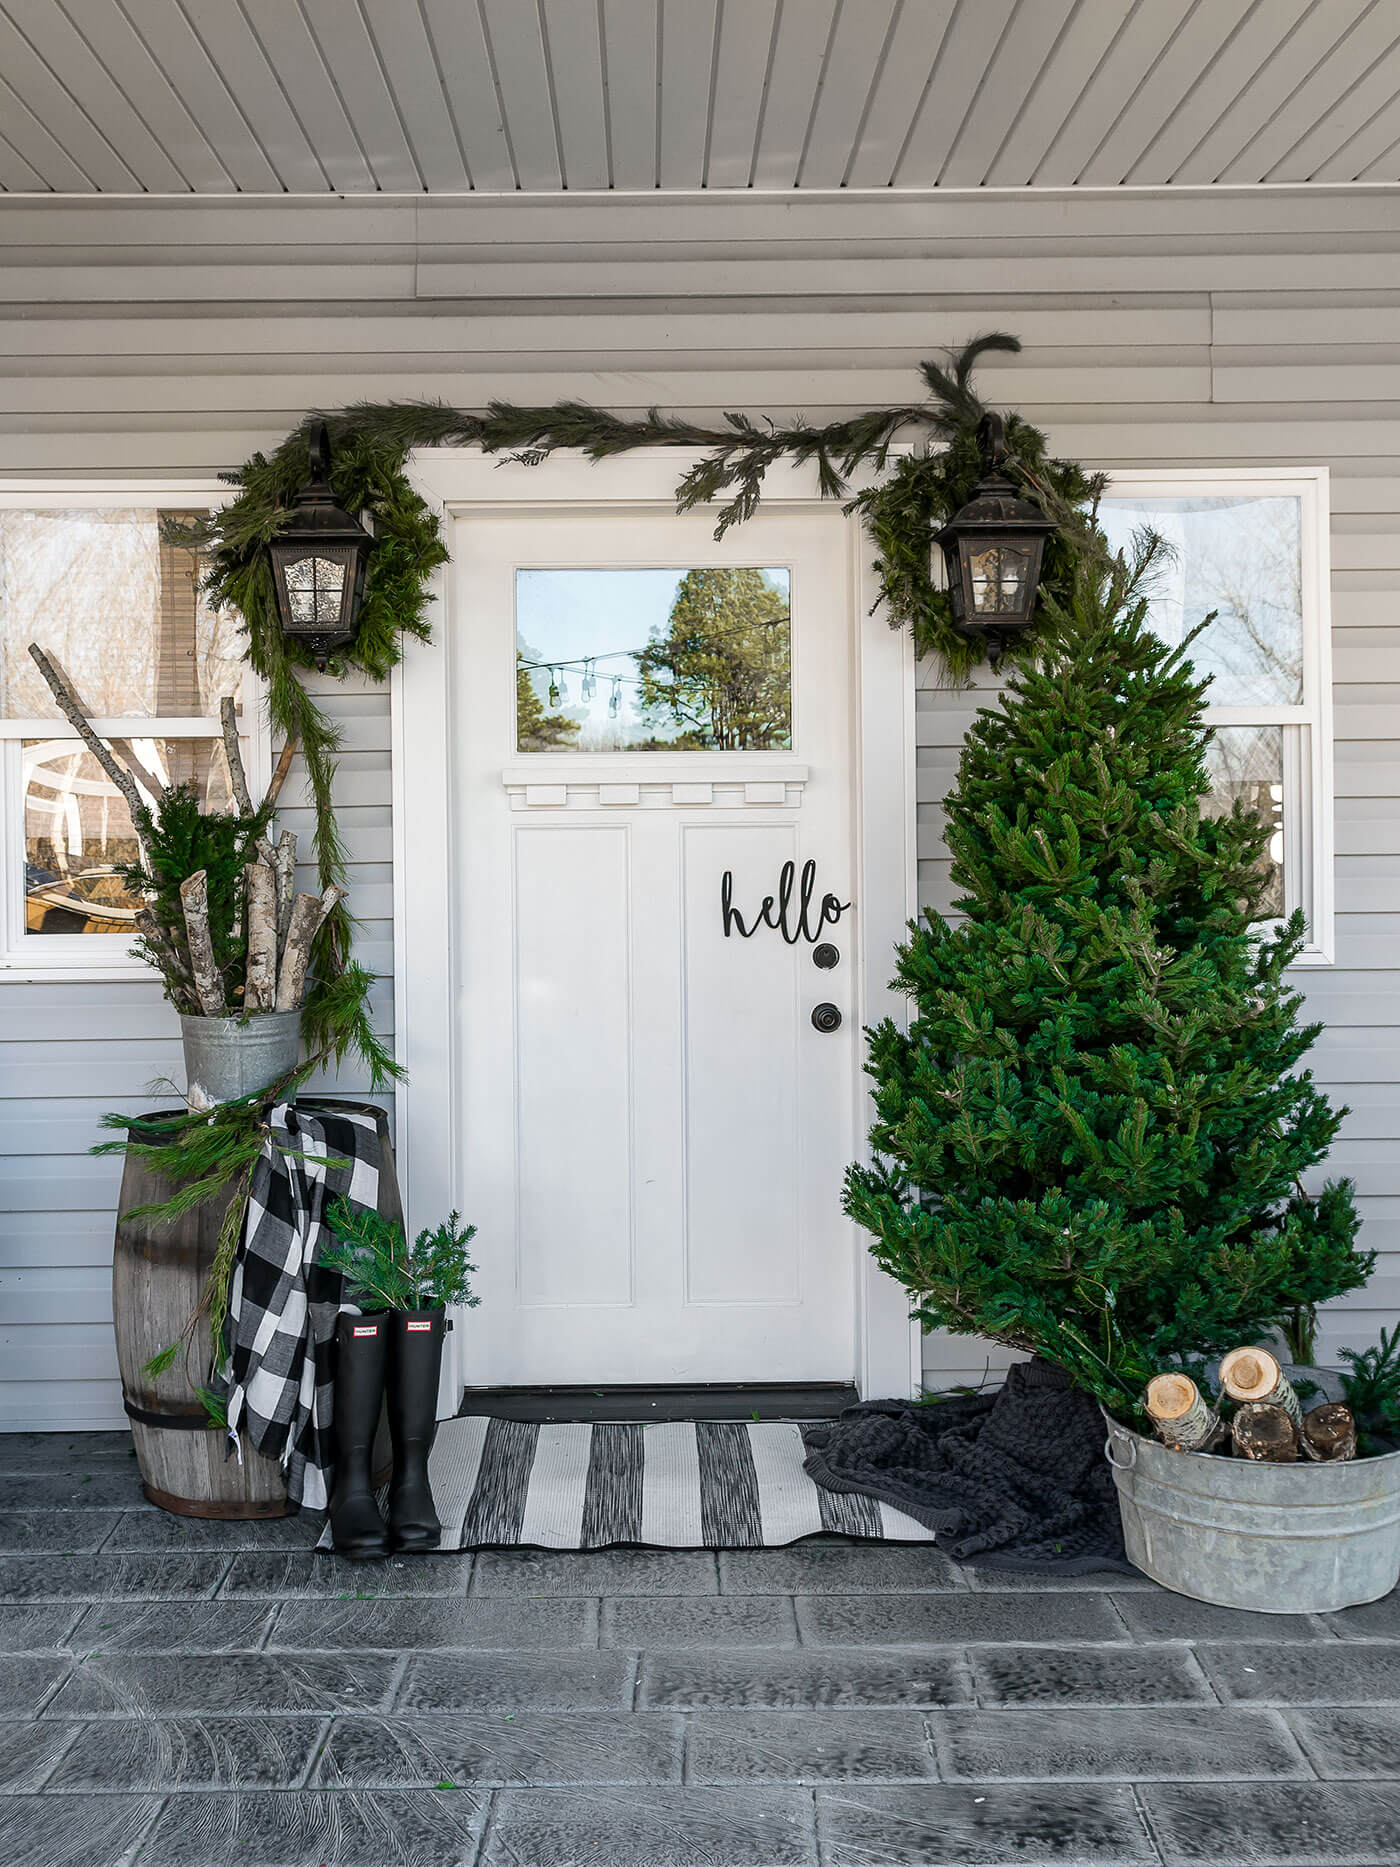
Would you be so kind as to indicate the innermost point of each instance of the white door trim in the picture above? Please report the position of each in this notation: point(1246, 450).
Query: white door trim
point(463, 481)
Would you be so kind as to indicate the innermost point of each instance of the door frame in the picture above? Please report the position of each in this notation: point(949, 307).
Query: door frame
point(461, 482)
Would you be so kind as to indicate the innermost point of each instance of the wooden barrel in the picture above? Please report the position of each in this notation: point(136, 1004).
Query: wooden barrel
point(158, 1273)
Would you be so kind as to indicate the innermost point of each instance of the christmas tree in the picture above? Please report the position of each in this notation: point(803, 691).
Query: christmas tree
point(1091, 1140)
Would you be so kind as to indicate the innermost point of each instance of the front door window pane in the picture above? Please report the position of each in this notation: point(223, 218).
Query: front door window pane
point(653, 660)
point(1241, 556)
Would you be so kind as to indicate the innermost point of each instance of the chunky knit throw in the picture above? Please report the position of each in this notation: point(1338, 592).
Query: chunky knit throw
point(1016, 1479)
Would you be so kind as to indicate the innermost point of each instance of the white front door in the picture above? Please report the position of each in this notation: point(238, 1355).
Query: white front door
point(652, 769)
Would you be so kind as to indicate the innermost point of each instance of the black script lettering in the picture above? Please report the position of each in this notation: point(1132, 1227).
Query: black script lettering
point(778, 912)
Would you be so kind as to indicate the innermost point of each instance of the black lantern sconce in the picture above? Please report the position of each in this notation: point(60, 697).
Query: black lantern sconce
point(318, 563)
point(992, 550)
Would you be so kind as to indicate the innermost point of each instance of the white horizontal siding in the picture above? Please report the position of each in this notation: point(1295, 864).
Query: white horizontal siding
point(1159, 330)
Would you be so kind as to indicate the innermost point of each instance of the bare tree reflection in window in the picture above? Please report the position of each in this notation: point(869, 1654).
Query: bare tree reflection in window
point(1245, 764)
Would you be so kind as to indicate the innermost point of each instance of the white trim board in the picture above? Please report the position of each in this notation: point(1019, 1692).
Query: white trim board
point(466, 483)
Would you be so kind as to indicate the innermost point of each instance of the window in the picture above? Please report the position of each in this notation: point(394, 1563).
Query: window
point(653, 660)
point(1252, 546)
point(86, 574)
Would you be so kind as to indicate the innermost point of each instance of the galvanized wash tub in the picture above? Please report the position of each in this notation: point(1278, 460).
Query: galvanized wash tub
point(1281, 1539)
point(229, 1057)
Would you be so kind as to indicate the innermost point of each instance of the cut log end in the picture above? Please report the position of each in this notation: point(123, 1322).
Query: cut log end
point(1249, 1373)
point(1329, 1432)
point(1171, 1396)
point(1265, 1433)
point(1182, 1417)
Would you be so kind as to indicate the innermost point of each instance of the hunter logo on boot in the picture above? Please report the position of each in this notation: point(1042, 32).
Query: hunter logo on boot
point(418, 1328)
point(367, 1329)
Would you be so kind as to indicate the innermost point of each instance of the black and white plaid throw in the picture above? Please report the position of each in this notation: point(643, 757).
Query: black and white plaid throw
point(283, 1304)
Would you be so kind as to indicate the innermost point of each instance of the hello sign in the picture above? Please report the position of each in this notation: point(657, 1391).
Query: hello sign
point(793, 912)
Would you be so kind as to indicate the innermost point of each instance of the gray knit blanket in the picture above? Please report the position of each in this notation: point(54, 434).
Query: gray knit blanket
point(1015, 1479)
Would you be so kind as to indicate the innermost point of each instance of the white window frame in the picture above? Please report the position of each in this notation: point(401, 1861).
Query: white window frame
point(1308, 788)
point(27, 958)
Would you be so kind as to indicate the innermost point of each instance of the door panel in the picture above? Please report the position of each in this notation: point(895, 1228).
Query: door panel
point(652, 1133)
point(573, 1065)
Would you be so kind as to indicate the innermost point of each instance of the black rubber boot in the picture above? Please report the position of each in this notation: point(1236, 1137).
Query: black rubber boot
point(415, 1363)
point(362, 1358)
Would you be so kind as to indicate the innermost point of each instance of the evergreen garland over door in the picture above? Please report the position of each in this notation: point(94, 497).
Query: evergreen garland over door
point(652, 1129)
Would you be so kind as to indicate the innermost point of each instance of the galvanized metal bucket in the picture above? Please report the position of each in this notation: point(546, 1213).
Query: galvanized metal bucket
point(1280, 1539)
point(229, 1057)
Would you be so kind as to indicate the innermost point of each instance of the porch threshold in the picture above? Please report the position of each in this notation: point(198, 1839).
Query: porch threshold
point(718, 1400)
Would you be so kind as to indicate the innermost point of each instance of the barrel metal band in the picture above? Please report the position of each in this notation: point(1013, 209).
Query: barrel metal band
point(180, 1422)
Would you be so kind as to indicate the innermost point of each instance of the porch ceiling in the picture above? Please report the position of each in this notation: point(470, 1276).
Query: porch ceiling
point(174, 97)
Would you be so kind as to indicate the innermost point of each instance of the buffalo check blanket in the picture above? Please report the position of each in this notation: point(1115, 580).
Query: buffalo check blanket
point(283, 1304)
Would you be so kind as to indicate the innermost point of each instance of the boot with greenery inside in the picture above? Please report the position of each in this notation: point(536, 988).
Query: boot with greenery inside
point(408, 1288)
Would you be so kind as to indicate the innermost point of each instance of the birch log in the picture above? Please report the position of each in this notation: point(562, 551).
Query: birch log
point(260, 989)
point(1253, 1374)
point(285, 869)
point(208, 986)
point(308, 912)
point(1180, 1415)
point(279, 772)
point(233, 757)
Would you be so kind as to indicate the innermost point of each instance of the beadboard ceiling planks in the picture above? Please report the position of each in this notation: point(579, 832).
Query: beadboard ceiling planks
point(535, 96)
point(574, 43)
point(736, 78)
point(1249, 109)
point(1209, 58)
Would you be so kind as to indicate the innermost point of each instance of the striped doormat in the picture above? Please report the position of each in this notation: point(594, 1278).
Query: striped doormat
point(704, 1485)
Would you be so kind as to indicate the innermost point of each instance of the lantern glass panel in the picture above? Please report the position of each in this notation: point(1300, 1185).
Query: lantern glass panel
point(315, 592)
point(999, 578)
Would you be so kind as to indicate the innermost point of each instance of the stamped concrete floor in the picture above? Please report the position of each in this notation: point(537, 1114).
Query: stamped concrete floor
point(182, 1694)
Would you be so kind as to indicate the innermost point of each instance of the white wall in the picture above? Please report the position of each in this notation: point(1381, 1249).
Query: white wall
point(1229, 327)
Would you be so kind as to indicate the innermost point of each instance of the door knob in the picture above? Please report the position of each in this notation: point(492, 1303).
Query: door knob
point(826, 1017)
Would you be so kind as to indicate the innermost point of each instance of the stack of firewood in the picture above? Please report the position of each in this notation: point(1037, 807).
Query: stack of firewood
point(280, 925)
point(1257, 1415)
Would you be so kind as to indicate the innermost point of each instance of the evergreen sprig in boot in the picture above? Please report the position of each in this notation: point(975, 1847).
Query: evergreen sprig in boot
point(415, 1362)
point(362, 1359)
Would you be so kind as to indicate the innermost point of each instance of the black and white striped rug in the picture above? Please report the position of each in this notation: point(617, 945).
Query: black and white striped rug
point(703, 1485)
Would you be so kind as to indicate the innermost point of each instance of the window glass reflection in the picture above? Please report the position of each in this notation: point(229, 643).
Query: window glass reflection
point(653, 660)
point(1245, 764)
point(78, 840)
point(119, 608)
point(1240, 556)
